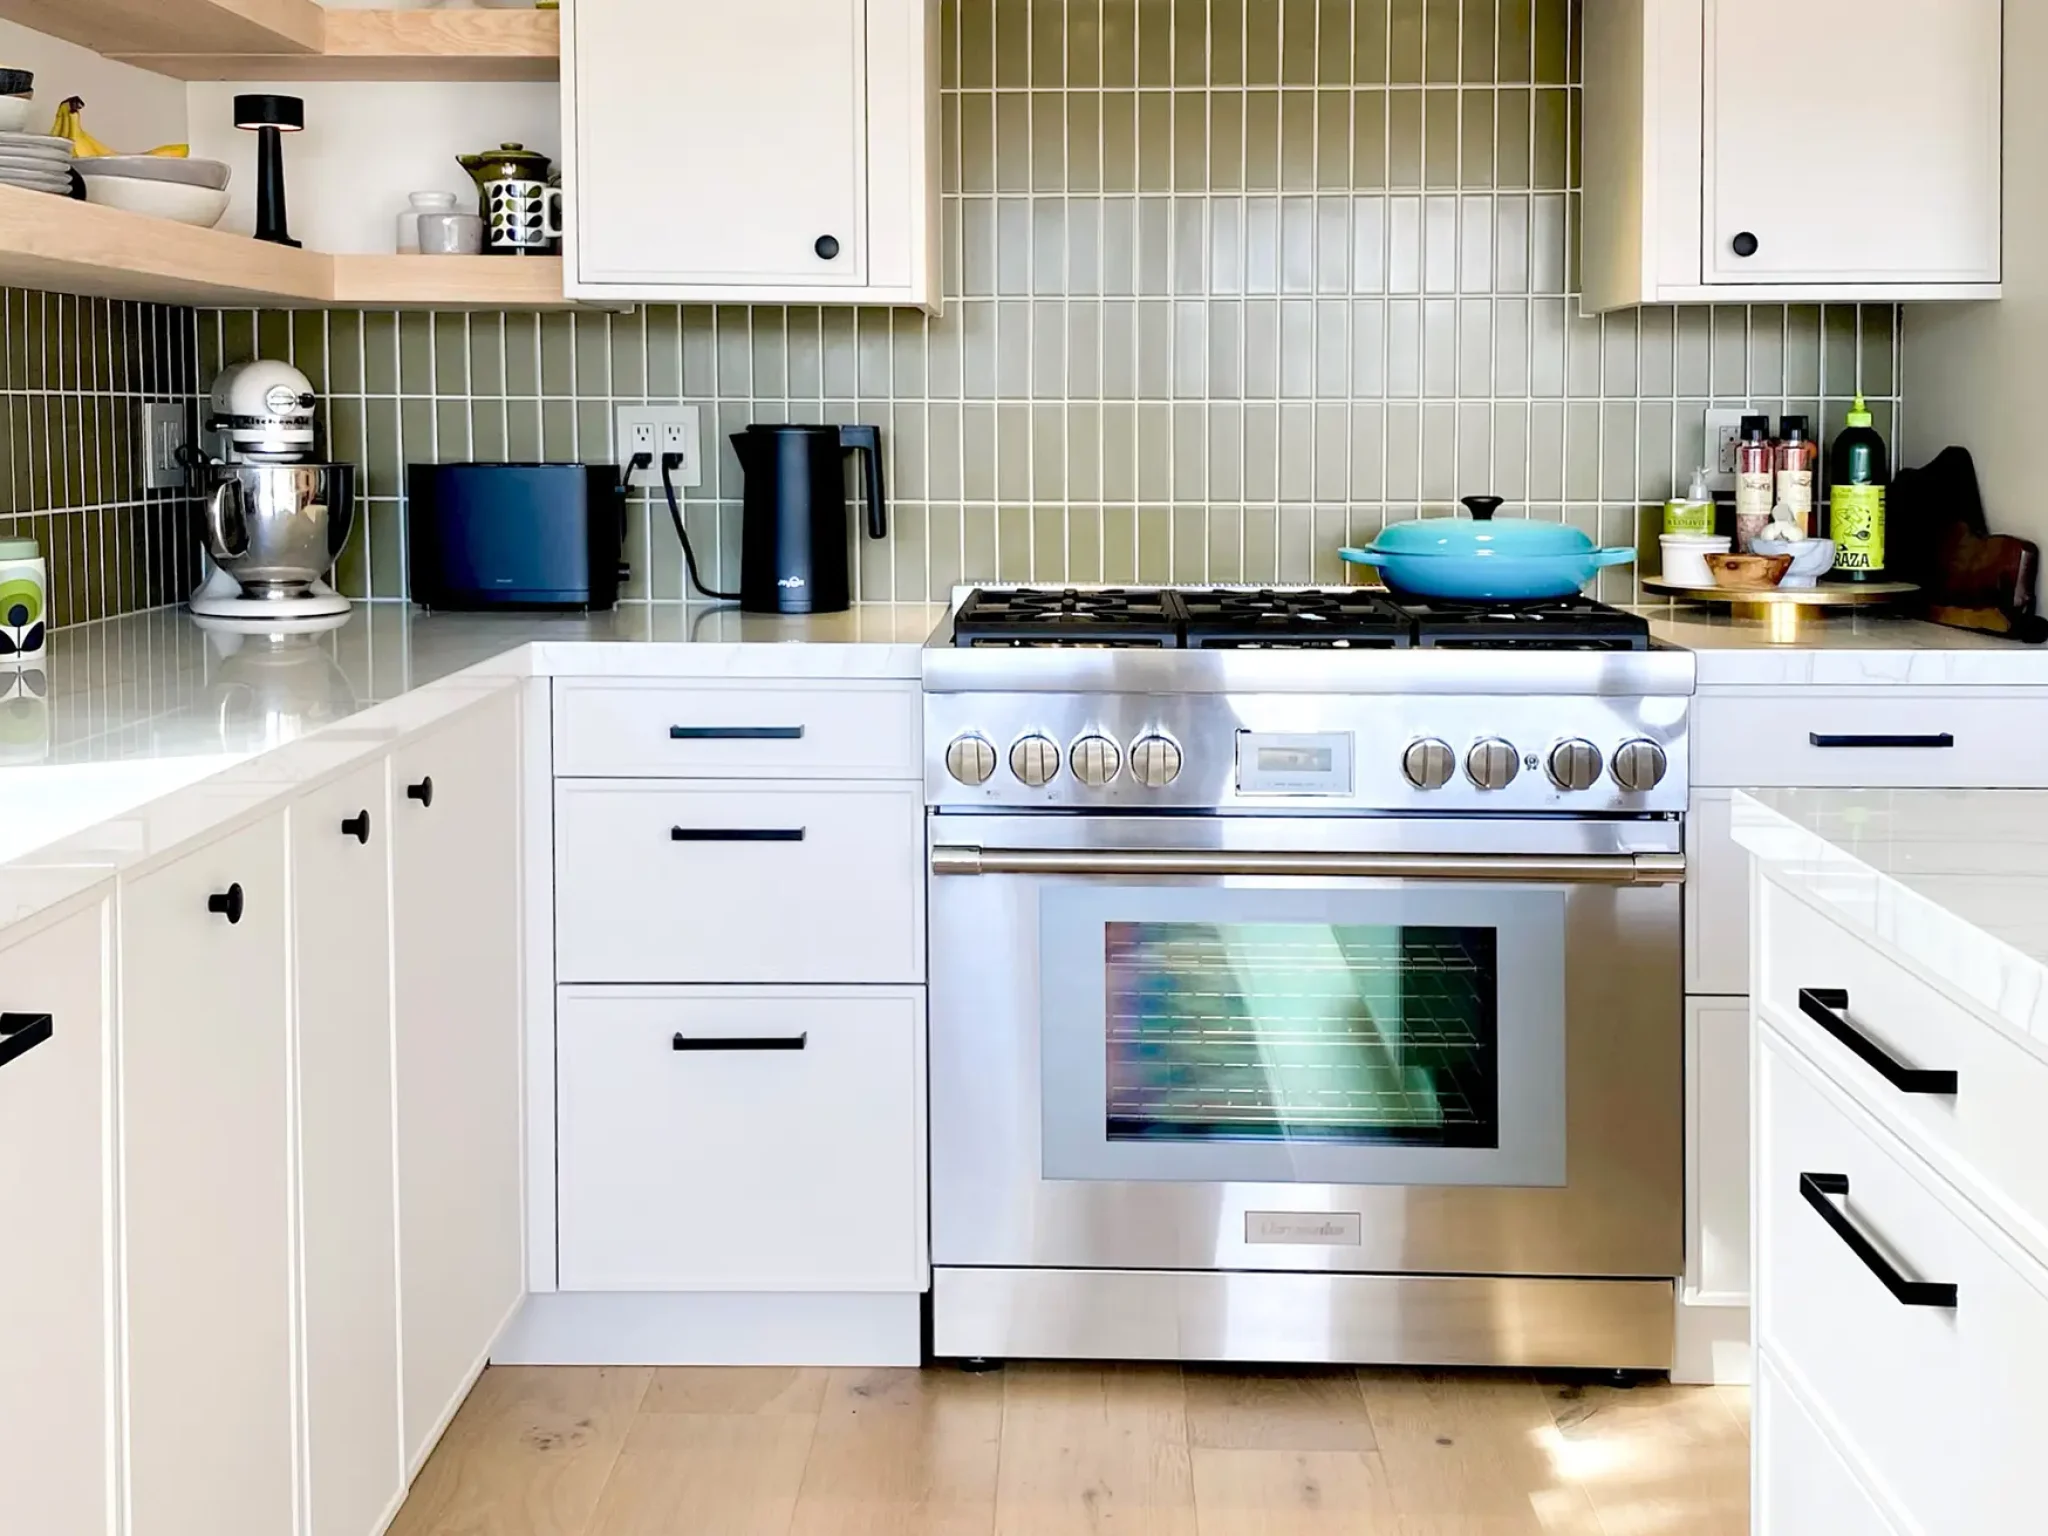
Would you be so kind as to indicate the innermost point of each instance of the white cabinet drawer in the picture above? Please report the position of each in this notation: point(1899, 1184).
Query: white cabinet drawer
point(742, 1139)
point(1986, 1135)
point(657, 882)
point(1802, 1484)
point(1878, 739)
point(1941, 1402)
point(750, 730)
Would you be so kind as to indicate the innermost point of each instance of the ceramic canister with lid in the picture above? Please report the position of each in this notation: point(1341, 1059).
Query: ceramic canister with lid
point(24, 601)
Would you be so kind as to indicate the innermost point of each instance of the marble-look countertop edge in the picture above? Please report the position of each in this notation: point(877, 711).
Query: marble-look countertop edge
point(2000, 984)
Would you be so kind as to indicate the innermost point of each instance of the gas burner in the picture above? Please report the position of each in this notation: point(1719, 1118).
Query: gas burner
point(1563, 624)
point(1230, 618)
point(1070, 618)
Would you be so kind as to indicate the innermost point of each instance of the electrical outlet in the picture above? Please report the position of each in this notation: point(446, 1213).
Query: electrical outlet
point(1724, 431)
point(660, 429)
point(160, 435)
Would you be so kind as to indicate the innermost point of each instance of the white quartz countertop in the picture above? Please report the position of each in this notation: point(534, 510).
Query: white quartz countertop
point(1845, 649)
point(1951, 882)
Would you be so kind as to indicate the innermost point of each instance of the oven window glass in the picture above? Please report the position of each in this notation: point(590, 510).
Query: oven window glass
point(1354, 1035)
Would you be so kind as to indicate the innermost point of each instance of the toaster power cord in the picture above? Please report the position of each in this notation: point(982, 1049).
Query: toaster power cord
point(670, 463)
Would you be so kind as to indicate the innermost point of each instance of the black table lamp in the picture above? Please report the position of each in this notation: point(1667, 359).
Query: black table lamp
point(271, 117)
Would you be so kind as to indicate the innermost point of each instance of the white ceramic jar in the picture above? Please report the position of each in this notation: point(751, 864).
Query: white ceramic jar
point(409, 221)
point(1685, 557)
point(24, 602)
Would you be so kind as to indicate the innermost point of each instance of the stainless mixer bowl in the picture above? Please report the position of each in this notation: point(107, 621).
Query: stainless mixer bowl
point(277, 528)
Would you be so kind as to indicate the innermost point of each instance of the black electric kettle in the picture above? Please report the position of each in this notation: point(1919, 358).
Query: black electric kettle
point(795, 556)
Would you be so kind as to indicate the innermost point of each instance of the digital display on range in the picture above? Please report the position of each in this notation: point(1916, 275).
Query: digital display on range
point(1296, 759)
point(1316, 763)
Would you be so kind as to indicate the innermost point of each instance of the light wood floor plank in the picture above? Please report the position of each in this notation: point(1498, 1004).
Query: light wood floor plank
point(904, 1453)
point(718, 1474)
point(1656, 1460)
point(528, 1455)
point(1291, 1493)
point(1736, 1400)
point(1087, 1450)
point(1302, 1410)
point(1469, 1453)
point(716, 1389)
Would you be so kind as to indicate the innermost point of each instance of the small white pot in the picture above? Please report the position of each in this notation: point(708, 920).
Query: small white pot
point(1685, 557)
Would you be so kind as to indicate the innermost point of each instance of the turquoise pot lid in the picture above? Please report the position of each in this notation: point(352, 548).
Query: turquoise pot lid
point(1482, 536)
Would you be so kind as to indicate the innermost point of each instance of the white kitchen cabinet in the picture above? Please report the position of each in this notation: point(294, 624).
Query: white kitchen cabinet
point(56, 1287)
point(1717, 1151)
point(1792, 149)
point(1716, 900)
point(341, 915)
point(206, 1163)
point(742, 1139)
point(455, 860)
point(776, 151)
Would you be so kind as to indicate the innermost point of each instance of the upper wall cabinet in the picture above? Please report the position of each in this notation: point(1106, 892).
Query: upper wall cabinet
point(1792, 149)
point(776, 151)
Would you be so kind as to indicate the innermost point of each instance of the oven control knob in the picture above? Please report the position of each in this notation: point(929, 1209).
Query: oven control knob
point(1575, 765)
point(971, 760)
point(1155, 761)
point(1639, 766)
point(1095, 760)
point(1429, 764)
point(1035, 760)
point(1493, 764)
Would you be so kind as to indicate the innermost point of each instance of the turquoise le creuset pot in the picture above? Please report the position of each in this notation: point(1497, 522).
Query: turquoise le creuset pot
point(1486, 559)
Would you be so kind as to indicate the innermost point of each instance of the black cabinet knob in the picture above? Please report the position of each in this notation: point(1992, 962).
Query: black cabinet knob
point(1745, 244)
point(228, 904)
point(422, 792)
point(357, 827)
point(827, 248)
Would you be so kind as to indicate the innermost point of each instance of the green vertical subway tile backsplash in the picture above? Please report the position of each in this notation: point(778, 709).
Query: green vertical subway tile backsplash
point(1228, 283)
point(74, 373)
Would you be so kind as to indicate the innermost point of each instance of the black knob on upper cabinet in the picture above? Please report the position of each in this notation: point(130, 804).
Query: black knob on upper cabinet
point(1746, 244)
point(827, 248)
point(357, 827)
point(422, 792)
point(228, 904)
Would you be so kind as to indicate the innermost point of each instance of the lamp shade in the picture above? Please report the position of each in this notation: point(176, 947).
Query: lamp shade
point(286, 112)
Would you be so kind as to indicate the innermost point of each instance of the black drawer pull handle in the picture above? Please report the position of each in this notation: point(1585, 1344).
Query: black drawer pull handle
point(736, 834)
point(21, 1033)
point(1825, 1006)
point(357, 827)
point(1816, 1189)
point(740, 1042)
point(227, 904)
point(735, 733)
point(422, 792)
point(1938, 742)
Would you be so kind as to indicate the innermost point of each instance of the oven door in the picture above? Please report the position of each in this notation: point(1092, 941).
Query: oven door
point(1336, 1043)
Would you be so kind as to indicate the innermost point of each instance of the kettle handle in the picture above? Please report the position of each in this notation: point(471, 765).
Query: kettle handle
point(868, 440)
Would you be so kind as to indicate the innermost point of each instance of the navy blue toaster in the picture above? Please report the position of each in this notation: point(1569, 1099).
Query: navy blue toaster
point(483, 536)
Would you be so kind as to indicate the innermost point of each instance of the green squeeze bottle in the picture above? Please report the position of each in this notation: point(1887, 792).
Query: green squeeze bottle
point(1859, 470)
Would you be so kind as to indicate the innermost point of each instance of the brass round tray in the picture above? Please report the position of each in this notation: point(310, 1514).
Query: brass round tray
point(1782, 608)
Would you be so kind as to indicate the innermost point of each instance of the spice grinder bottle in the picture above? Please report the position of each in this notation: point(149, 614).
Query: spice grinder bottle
point(1756, 481)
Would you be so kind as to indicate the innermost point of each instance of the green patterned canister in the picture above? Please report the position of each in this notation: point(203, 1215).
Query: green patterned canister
point(24, 602)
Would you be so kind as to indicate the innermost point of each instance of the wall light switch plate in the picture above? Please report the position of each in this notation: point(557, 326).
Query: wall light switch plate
point(660, 429)
point(161, 430)
point(1724, 431)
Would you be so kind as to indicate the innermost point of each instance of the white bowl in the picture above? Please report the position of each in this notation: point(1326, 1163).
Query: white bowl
point(191, 173)
point(1685, 557)
point(202, 206)
point(1811, 558)
point(14, 113)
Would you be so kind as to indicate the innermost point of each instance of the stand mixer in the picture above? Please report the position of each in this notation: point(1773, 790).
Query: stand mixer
point(272, 518)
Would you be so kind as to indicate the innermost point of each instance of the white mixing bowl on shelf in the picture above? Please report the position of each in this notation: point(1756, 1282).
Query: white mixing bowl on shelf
point(201, 206)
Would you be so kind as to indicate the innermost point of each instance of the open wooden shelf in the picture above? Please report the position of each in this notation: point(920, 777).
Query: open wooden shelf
point(62, 246)
point(298, 40)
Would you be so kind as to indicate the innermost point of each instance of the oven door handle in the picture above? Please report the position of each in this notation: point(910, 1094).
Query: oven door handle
point(1537, 869)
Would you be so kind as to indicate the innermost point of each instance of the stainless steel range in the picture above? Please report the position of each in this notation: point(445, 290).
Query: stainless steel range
point(1305, 980)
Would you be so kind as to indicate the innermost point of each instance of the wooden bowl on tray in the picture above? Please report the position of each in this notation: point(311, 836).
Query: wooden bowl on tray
point(1749, 573)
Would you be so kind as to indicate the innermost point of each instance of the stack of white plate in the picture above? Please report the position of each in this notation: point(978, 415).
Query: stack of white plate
point(38, 163)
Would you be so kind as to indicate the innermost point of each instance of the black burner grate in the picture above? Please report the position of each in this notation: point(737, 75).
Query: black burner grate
point(1565, 624)
point(1229, 618)
point(1070, 617)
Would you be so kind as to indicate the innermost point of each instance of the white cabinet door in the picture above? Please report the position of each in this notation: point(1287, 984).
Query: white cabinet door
point(1802, 1484)
point(1717, 1151)
point(341, 943)
point(455, 842)
point(207, 1171)
point(1716, 899)
point(719, 144)
point(56, 1443)
point(1854, 141)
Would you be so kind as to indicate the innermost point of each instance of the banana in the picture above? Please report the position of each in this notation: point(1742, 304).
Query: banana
point(70, 125)
point(170, 152)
